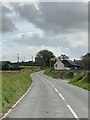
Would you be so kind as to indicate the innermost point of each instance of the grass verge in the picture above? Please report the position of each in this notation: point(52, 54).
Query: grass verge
point(80, 79)
point(14, 85)
point(0, 94)
point(58, 74)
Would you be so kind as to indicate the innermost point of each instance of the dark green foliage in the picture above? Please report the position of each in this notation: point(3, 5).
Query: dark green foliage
point(28, 63)
point(86, 78)
point(69, 75)
point(43, 58)
point(64, 57)
point(4, 65)
point(86, 61)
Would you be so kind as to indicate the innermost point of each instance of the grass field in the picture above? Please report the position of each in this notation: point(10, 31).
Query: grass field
point(14, 85)
point(31, 67)
point(80, 79)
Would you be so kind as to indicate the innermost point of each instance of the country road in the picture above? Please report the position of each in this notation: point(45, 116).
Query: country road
point(52, 98)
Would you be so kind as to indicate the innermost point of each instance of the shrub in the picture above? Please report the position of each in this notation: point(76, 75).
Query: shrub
point(69, 75)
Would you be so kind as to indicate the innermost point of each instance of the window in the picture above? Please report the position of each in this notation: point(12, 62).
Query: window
point(56, 65)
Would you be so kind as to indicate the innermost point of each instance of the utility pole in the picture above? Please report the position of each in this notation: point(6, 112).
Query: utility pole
point(18, 58)
point(50, 63)
point(51, 59)
point(24, 59)
point(32, 61)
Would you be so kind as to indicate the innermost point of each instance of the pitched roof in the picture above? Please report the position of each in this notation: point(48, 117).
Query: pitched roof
point(71, 62)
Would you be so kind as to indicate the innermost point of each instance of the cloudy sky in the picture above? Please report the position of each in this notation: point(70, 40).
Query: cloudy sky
point(61, 27)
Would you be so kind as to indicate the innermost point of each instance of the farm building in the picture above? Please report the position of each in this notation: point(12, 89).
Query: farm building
point(66, 64)
point(59, 65)
point(71, 64)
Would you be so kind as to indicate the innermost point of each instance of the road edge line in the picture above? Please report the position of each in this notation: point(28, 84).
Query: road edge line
point(17, 102)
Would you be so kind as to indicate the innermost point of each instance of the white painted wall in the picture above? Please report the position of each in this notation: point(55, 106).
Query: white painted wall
point(59, 65)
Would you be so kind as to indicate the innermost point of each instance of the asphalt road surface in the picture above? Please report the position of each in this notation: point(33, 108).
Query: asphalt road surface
point(52, 98)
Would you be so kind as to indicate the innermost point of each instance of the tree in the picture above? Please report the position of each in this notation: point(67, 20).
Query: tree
point(86, 61)
point(5, 65)
point(43, 58)
point(63, 57)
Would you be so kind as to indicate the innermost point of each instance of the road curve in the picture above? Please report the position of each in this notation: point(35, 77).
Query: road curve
point(52, 98)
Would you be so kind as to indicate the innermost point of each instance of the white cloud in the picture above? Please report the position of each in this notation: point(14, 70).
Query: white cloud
point(60, 29)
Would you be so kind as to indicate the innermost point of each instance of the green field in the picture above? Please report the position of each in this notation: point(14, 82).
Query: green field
point(30, 67)
point(14, 85)
point(80, 79)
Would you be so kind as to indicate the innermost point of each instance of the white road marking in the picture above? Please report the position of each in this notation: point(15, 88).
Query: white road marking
point(56, 90)
point(61, 96)
point(6, 114)
point(72, 111)
point(17, 102)
point(52, 85)
point(69, 107)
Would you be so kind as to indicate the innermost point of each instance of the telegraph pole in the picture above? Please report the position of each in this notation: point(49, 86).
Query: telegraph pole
point(18, 58)
point(24, 59)
point(32, 61)
point(51, 59)
point(50, 63)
